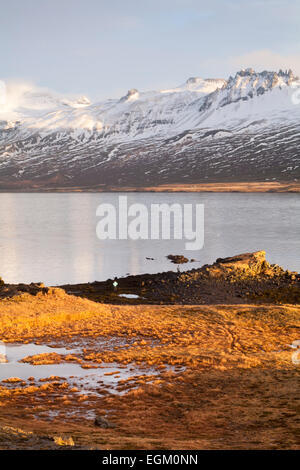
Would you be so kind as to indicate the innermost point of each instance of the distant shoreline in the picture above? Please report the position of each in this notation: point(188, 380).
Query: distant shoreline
point(239, 187)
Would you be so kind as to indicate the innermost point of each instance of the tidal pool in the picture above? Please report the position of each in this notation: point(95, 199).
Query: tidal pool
point(105, 375)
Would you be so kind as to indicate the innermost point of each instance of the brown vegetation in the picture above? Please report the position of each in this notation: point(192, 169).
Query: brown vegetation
point(216, 187)
point(233, 384)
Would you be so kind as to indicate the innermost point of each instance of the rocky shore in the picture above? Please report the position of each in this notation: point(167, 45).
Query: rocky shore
point(246, 278)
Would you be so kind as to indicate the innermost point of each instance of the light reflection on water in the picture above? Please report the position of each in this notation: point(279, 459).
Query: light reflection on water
point(107, 374)
point(52, 237)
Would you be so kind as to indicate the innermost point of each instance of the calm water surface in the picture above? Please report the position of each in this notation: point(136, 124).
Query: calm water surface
point(52, 237)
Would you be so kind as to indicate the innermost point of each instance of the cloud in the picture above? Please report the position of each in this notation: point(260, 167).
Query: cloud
point(266, 59)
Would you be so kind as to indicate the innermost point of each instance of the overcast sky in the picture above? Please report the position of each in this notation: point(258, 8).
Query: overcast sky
point(102, 48)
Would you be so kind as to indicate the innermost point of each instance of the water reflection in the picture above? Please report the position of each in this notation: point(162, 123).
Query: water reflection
point(52, 237)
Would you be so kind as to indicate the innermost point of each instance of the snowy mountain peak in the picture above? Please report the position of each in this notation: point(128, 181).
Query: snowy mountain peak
point(266, 79)
point(191, 131)
point(23, 100)
point(81, 102)
point(203, 130)
point(198, 85)
point(193, 80)
point(248, 84)
point(132, 95)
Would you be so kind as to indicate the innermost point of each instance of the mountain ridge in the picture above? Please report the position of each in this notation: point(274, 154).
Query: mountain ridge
point(246, 128)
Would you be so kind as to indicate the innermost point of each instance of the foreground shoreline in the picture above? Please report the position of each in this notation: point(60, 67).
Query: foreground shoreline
point(217, 187)
point(202, 376)
point(246, 278)
point(232, 385)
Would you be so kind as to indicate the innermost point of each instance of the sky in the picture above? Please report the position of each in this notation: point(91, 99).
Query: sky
point(102, 48)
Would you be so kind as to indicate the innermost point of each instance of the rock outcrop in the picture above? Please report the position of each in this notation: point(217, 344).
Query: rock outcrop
point(244, 278)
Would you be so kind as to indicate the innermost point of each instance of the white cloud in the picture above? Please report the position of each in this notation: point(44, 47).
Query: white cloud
point(266, 59)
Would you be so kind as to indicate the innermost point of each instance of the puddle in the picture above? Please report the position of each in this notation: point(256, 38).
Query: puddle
point(2, 353)
point(105, 376)
point(90, 384)
point(16, 352)
point(130, 296)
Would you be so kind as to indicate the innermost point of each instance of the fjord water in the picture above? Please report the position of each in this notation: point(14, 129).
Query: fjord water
point(51, 238)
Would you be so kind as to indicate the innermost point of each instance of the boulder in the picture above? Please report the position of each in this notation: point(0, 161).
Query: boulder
point(177, 259)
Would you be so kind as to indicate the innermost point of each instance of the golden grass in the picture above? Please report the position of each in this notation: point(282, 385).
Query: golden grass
point(242, 187)
point(177, 335)
point(238, 390)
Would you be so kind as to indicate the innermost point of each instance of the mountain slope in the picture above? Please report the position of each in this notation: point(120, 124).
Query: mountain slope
point(244, 129)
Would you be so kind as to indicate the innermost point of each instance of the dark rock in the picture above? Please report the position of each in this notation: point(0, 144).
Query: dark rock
point(177, 259)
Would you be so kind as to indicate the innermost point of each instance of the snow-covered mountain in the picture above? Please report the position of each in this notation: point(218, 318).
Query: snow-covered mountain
point(246, 128)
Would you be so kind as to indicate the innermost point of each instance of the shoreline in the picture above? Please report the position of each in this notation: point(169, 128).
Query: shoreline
point(167, 376)
point(245, 278)
point(222, 187)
